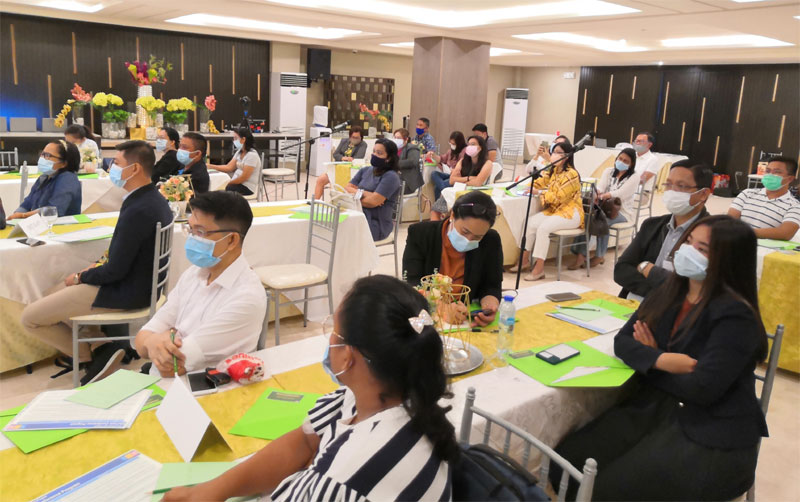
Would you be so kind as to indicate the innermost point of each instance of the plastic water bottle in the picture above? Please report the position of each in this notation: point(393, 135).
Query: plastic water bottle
point(505, 321)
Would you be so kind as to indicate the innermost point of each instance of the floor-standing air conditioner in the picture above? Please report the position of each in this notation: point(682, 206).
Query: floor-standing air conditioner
point(515, 115)
point(287, 109)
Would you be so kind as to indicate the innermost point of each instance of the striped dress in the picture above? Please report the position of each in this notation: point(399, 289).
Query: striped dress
point(381, 458)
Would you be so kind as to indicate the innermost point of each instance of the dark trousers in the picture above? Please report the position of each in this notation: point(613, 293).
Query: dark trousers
point(643, 454)
point(239, 188)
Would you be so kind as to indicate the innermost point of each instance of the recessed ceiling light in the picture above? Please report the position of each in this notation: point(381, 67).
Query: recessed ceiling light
point(254, 25)
point(603, 44)
point(497, 51)
point(797, 17)
point(462, 18)
point(725, 41)
point(400, 45)
point(747, 1)
point(73, 5)
point(661, 63)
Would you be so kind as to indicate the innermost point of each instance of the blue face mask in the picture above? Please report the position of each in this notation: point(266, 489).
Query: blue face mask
point(326, 364)
point(461, 243)
point(45, 166)
point(420, 131)
point(621, 166)
point(200, 251)
point(690, 263)
point(115, 175)
point(184, 157)
point(237, 144)
point(161, 144)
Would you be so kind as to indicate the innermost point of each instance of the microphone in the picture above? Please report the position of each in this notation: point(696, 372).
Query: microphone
point(341, 126)
point(580, 145)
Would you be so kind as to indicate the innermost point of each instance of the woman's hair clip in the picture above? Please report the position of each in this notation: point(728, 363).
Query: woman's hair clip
point(422, 320)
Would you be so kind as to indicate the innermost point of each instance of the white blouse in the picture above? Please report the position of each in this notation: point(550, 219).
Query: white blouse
point(625, 190)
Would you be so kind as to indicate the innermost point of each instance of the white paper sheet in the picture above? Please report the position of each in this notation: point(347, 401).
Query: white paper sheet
point(183, 419)
point(86, 234)
point(131, 477)
point(580, 371)
point(50, 410)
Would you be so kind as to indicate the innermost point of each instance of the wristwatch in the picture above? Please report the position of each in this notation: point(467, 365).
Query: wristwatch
point(642, 266)
point(77, 277)
point(359, 194)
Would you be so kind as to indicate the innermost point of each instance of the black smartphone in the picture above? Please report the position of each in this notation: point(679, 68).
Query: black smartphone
point(562, 297)
point(558, 353)
point(200, 384)
point(30, 242)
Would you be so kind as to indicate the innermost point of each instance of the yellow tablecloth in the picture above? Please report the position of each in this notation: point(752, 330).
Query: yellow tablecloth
point(23, 477)
point(779, 301)
point(63, 229)
point(275, 210)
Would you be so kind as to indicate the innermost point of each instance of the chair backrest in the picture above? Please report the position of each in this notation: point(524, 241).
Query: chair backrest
point(9, 158)
point(162, 252)
point(585, 478)
point(497, 171)
point(260, 180)
point(397, 212)
point(772, 367)
point(323, 226)
point(588, 193)
point(23, 182)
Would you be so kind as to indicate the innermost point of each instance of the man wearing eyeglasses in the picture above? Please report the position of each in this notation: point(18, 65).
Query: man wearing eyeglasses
point(647, 261)
point(123, 281)
point(218, 306)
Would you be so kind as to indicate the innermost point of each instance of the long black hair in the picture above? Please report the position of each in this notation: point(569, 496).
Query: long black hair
point(461, 143)
point(374, 318)
point(69, 153)
point(475, 204)
point(565, 147)
point(247, 136)
point(80, 131)
point(468, 168)
point(631, 153)
point(392, 161)
point(731, 272)
point(173, 136)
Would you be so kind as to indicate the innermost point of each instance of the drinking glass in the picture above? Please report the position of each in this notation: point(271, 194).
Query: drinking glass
point(50, 215)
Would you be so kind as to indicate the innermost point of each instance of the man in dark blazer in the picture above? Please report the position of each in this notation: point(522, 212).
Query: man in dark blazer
point(473, 213)
point(121, 282)
point(409, 156)
point(646, 262)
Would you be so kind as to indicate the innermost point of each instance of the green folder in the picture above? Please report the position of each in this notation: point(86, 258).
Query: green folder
point(297, 215)
point(275, 413)
point(29, 441)
point(776, 244)
point(616, 374)
point(113, 389)
point(187, 474)
point(82, 218)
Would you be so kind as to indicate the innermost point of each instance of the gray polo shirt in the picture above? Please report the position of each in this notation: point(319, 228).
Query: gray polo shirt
point(673, 235)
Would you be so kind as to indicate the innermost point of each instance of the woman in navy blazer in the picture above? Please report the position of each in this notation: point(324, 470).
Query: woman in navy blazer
point(57, 185)
point(691, 428)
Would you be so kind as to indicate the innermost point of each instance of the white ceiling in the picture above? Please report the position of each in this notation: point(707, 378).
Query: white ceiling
point(496, 22)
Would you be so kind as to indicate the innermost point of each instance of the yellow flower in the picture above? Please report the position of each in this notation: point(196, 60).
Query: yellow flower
point(115, 100)
point(70, 101)
point(100, 100)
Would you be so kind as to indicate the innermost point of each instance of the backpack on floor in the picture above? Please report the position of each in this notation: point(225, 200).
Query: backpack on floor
point(484, 474)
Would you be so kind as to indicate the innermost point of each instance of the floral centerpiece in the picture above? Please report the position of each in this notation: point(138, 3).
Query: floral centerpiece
point(449, 308)
point(62, 115)
point(149, 106)
point(177, 190)
point(88, 160)
point(206, 109)
point(177, 112)
point(114, 118)
point(80, 99)
point(153, 71)
point(382, 118)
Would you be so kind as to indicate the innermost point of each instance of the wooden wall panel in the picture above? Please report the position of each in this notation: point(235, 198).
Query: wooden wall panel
point(675, 120)
point(44, 46)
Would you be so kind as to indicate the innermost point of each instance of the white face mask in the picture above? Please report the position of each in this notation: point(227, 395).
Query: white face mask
point(452, 146)
point(678, 202)
point(689, 262)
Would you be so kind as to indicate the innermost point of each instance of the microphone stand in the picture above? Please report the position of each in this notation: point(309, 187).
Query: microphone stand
point(535, 175)
point(298, 145)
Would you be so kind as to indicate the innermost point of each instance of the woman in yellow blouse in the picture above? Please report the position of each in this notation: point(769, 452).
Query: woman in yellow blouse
point(559, 191)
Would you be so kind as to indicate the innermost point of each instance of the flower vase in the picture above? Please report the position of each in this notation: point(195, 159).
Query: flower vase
point(178, 209)
point(113, 130)
point(141, 113)
point(182, 128)
point(132, 114)
point(159, 120)
point(77, 114)
point(205, 116)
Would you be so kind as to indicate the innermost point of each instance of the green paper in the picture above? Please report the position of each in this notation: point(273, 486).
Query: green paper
point(29, 441)
point(776, 244)
point(187, 474)
point(88, 176)
point(82, 218)
point(616, 310)
point(546, 373)
point(583, 315)
point(272, 418)
point(307, 216)
point(113, 389)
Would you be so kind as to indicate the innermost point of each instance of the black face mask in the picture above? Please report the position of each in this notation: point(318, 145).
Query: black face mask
point(377, 162)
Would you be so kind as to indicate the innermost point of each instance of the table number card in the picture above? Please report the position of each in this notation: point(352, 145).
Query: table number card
point(32, 226)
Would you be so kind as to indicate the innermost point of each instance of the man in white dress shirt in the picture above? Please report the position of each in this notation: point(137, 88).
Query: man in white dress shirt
point(218, 306)
point(646, 161)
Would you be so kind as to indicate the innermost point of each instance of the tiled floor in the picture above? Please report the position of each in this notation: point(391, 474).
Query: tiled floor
point(778, 475)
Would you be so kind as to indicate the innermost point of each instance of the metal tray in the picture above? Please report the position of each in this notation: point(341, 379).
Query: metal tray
point(459, 359)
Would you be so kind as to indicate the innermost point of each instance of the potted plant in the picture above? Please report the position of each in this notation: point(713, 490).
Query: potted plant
point(206, 109)
point(176, 113)
point(177, 190)
point(88, 161)
point(114, 118)
point(144, 74)
point(80, 99)
point(150, 107)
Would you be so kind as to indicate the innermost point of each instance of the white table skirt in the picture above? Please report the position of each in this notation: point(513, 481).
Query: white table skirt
point(28, 272)
point(91, 190)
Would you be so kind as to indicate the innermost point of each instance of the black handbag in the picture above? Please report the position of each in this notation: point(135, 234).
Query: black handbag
point(483, 474)
point(599, 221)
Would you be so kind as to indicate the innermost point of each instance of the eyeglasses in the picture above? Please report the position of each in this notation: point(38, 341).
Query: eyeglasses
point(328, 330)
point(49, 156)
point(678, 187)
point(202, 233)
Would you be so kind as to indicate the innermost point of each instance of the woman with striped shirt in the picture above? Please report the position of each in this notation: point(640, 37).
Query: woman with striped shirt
point(383, 435)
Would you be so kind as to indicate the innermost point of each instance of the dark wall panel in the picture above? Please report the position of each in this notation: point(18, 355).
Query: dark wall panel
point(748, 109)
point(44, 47)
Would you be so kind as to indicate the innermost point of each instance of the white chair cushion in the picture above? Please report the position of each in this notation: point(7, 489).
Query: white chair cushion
point(387, 240)
point(569, 233)
point(278, 171)
point(290, 276)
point(623, 225)
point(118, 317)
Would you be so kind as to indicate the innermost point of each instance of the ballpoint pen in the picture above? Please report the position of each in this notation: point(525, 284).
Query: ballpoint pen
point(579, 308)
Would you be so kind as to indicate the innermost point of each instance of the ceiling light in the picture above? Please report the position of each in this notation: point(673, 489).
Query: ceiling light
point(725, 41)
point(400, 45)
point(461, 18)
point(497, 51)
point(71, 5)
point(797, 17)
point(603, 44)
point(661, 63)
point(254, 25)
point(747, 1)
